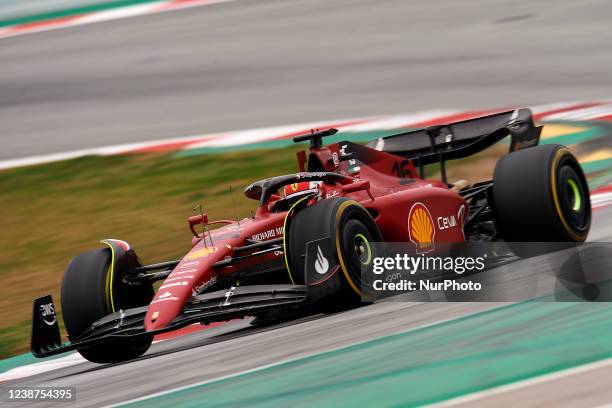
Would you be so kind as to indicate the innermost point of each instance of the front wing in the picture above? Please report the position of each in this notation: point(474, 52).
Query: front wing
point(223, 305)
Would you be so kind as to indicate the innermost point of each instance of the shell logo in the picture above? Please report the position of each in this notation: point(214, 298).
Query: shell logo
point(200, 253)
point(421, 228)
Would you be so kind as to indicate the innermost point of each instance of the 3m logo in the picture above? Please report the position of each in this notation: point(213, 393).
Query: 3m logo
point(202, 252)
point(421, 228)
point(321, 263)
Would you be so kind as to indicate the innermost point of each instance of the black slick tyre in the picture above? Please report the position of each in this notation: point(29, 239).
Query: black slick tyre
point(352, 230)
point(87, 294)
point(540, 195)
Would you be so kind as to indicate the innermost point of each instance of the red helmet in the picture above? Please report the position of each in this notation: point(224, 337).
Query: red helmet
point(296, 189)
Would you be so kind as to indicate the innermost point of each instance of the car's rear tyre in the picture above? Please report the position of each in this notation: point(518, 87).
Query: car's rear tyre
point(540, 195)
point(352, 231)
point(87, 294)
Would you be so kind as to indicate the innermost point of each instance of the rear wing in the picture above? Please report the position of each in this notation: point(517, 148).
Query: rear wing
point(436, 144)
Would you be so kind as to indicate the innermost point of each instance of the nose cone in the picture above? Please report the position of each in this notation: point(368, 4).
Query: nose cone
point(193, 271)
point(156, 319)
point(166, 305)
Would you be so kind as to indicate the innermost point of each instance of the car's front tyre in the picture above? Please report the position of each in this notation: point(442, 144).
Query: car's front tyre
point(89, 292)
point(352, 231)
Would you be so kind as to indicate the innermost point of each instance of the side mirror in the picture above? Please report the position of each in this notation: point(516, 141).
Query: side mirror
point(358, 186)
point(195, 220)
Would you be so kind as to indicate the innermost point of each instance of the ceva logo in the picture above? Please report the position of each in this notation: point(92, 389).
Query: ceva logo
point(421, 228)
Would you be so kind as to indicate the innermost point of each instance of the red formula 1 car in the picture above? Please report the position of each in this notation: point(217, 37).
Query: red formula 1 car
point(313, 231)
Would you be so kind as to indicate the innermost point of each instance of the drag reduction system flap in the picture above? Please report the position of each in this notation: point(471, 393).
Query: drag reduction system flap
point(461, 139)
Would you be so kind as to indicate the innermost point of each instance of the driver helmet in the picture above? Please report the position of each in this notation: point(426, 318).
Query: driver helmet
point(301, 188)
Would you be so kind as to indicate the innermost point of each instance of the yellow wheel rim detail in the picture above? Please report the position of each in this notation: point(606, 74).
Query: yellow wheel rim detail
point(560, 153)
point(577, 197)
point(109, 278)
point(367, 244)
point(285, 238)
point(341, 209)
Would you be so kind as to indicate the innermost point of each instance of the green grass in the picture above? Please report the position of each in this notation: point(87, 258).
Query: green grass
point(52, 212)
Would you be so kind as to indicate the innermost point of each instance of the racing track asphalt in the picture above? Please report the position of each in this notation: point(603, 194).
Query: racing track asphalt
point(237, 346)
point(247, 64)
